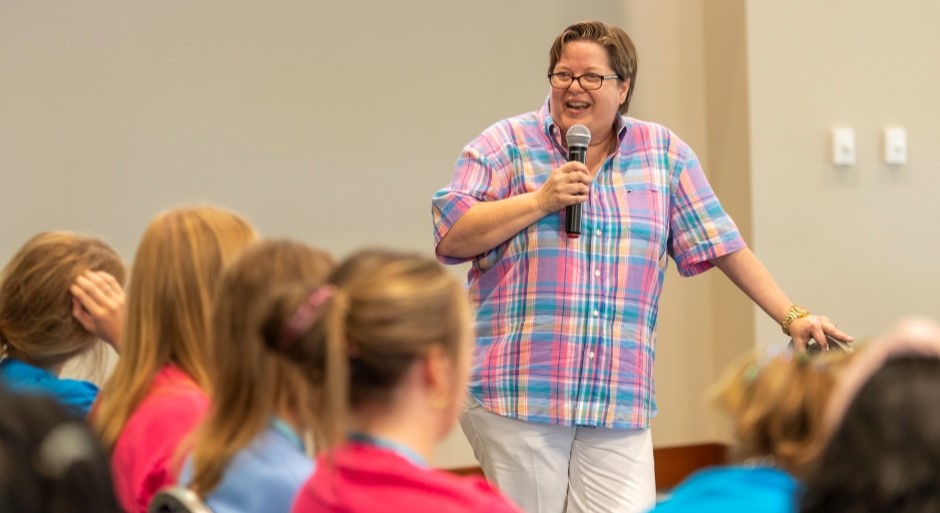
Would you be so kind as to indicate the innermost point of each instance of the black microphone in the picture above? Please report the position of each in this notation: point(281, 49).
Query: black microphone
point(578, 137)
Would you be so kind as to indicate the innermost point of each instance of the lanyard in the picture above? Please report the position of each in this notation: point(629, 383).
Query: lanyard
point(401, 450)
point(284, 429)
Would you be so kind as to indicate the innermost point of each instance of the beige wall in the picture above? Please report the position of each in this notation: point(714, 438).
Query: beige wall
point(335, 122)
point(860, 243)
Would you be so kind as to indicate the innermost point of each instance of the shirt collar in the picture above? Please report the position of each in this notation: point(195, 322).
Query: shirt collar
point(551, 129)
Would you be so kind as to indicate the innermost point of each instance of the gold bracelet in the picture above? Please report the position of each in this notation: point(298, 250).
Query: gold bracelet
point(795, 312)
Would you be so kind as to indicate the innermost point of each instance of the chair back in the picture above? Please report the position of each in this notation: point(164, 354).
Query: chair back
point(177, 499)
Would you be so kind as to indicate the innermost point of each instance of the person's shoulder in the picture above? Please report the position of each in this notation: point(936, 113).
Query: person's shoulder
point(653, 130)
point(173, 397)
point(171, 382)
point(459, 494)
point(731, 489)
point(76, 395)
point(267, 464)
point(271, 453)
point(644, 136)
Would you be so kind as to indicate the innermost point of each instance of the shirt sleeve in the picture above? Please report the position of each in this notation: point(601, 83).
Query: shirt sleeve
point(699, 228)
point(77, 396)
point(479, 175)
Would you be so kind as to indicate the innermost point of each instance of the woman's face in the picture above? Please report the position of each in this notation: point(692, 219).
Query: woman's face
point(595, 109)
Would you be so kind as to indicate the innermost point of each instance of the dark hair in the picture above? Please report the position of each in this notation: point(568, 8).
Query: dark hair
point(49, 461)
point(620, 51)
point(885, 454)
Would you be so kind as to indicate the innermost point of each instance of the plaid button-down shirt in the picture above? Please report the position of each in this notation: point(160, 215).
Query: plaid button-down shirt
point(566, 328)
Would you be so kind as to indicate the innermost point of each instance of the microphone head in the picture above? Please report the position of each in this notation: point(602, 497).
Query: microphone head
point(578, 135)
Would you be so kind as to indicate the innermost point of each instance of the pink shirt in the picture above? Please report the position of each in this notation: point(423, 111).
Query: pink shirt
point(359, 478)
point(144, 458)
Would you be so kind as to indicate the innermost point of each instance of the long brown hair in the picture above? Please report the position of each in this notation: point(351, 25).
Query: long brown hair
point(252, 383)
point(358, 335)
point(169, 302)
point(36, 323)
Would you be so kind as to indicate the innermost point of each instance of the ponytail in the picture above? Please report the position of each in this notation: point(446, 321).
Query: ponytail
point(335, 413)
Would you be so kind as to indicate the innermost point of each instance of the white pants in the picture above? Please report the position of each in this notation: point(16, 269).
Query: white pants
point(559, 469)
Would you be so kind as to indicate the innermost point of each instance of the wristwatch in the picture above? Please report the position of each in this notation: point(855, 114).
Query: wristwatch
point(795, 312)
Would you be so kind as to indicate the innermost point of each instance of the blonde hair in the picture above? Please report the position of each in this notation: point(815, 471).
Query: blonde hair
point(169, 302)
point(621, 51)
point(778, 406)
point(252, 383)
point(36, 322)
point(357, 336)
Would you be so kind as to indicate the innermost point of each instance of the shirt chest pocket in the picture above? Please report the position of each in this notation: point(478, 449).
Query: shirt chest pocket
point(643, 212)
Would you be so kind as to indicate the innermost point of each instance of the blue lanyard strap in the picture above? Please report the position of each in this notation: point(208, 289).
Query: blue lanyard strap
point(288, 432)
point(400, 449)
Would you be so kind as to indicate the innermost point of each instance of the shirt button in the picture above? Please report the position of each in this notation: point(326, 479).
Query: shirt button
point(596, 313)
point(591, 354)
point(598, 232)
point(597, 273)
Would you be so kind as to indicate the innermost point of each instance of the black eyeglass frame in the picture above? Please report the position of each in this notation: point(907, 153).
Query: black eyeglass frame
point(578, 78)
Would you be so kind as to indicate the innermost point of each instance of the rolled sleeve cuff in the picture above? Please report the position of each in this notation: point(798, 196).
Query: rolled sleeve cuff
point(446, 208)
point(698, 258)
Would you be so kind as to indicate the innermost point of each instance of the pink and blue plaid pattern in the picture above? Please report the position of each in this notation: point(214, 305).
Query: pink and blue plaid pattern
point(566, 328)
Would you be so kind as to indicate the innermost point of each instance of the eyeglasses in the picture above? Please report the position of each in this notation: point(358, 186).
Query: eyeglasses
point(588, 81)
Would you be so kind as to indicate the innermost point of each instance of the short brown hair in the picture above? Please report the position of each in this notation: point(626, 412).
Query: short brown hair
point(36, 323)
point(620, 51)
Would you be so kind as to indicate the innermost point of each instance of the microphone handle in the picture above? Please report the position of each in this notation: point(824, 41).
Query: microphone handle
point(573, 212)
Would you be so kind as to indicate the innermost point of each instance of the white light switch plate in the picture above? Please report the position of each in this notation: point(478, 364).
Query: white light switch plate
point(894, 144)
point(843, 146)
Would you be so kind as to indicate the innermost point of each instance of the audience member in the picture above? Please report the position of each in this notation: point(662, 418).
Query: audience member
point(159, 390)
point(883, 450)
point(386, 342)
point(59, 295)
point(254, 450)
point(776, 406)
point(50, 462)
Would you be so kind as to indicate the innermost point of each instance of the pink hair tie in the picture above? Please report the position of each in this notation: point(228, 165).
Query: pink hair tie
point(306, 315)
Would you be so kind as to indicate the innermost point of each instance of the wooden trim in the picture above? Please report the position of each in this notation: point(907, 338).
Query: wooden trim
point(466, 471)
point(673, 464)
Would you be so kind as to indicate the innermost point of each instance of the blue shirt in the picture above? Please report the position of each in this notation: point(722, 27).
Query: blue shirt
point(734, 489)
point(262, 478)
point(77, 396)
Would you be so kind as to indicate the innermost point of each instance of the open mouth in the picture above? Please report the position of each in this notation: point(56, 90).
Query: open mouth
point(577, 106)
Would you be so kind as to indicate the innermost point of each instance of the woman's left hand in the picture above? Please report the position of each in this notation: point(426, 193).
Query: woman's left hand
point(816, 327)
point(98, 305)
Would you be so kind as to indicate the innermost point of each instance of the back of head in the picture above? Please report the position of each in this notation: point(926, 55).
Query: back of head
point(251, 382)
point(357, 336)
point(620, 50)
point(49, 462)
point(175, 272)
point(36, 323)
point(777, 405)
point(884, 451)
